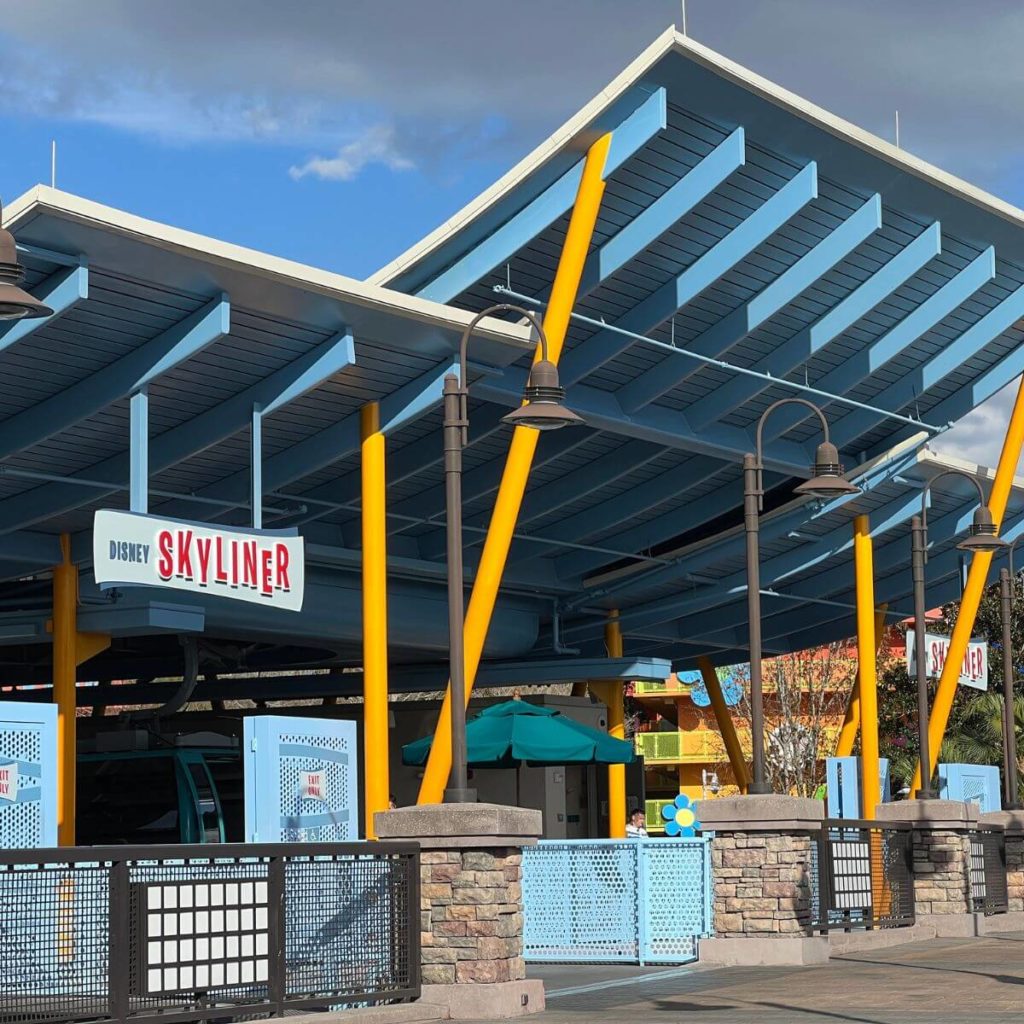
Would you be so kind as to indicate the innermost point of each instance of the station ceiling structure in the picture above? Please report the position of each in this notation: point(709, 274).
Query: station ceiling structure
point(750, 247)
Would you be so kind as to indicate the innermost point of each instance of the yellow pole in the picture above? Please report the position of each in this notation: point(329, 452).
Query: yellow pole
point(375, 617)
point(851, 722)
point(862, 556)
point(65, 606)
point(725, 723)
point(517, 465)
point(617, 728)
point(977, 578)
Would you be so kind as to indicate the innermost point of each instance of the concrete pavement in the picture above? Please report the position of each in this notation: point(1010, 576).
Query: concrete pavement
point(941, 981)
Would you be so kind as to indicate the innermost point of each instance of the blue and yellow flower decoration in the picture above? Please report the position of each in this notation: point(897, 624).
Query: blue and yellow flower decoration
point(680, 817)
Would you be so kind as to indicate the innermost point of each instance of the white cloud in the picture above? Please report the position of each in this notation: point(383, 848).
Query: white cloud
point(978, 437)
point(376, 146)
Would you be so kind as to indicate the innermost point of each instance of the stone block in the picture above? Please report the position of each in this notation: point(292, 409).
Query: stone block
point(482, 972)
point(427, 823)
point(438, 974)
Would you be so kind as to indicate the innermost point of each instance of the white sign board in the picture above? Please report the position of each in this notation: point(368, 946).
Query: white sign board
point(9, 782)
point(262, 566)
point(973, 672)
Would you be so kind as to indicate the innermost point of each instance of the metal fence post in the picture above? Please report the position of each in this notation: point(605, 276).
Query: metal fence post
point(412, 862)
point(277, 933)
point(120, 956)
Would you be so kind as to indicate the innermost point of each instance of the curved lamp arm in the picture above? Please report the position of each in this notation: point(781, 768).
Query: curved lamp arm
point(760, 436)
point(463, 387)
point(928, 487)
point(501, 307)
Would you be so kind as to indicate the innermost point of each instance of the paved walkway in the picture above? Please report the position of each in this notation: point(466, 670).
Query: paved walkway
point(943, 981)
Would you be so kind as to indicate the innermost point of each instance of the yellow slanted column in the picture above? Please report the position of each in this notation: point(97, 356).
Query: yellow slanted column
point(725, 723)
point(517, 465)
point(375, 618)
point(863, 563)
point(65, 640)
point(851, 722)
point(977, 578)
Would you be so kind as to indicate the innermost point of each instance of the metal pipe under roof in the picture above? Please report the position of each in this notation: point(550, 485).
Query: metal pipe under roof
point(721, 364)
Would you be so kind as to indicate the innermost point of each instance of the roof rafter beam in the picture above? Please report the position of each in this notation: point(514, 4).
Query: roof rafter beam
point(889, 557)
point(628, 138)
point(658, 425)
point(672, 523)
point(476, 484)
point(606, 516)
point(61, 292)
point(337, 441)
point(166, 449)
point(666, 211)
point(844, 314)
point(731, 545)
point(672, 296)
point(949, 359)
point(918, 322)
point(717, 339)
point(405, 463)
point(129, 374)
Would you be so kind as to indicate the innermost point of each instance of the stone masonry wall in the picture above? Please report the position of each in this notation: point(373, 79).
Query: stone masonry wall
point(471, 911)
point(941, 878)
point(1015, 869)
point(762, 883)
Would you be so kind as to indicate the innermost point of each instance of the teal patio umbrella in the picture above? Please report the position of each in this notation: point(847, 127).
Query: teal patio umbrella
point(508, 734)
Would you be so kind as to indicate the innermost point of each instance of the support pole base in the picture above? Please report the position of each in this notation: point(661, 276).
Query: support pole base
point(460, 796)
point(926, 794)
point(758, 789)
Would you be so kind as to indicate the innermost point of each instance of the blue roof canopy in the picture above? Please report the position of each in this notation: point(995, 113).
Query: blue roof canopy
point(769, 240)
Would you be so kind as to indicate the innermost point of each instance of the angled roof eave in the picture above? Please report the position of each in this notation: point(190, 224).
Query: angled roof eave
point(42, 201)
point(574, 135)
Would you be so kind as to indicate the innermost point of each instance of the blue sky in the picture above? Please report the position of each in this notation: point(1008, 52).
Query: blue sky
point(338, 132)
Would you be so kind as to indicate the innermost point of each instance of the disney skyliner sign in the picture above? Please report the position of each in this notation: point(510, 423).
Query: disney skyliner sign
point(265, 567)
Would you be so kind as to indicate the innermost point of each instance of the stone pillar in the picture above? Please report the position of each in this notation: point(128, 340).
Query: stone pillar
point(1013, 826)
point(942, 858)
point(471, 905)
point(763, 859)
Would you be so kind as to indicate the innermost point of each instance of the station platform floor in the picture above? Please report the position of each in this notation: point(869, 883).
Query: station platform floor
point(939, 981)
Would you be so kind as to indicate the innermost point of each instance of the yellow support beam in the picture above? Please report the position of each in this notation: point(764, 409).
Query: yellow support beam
point(65, 612)
point(851, 721)
point(517, 465)
point(616, 703)
point(725, 723)
point(977, 578)
point(375, 617)
point(863, 564)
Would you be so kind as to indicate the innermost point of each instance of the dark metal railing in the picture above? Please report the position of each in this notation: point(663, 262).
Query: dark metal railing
point(188, 933)
point(864, 876)
point(989, 893)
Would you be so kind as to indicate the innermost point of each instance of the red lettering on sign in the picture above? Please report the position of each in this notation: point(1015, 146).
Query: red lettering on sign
point(282, 568)
point(203, 554)
point(267, 572)
point(165, 564)
point(185, 554)
point(234, 564)
point(249, 564)
point(222, 574)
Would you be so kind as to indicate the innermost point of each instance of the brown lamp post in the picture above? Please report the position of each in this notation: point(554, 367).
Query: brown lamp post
point(981, 537)
point(827, 481)
point(542, 409)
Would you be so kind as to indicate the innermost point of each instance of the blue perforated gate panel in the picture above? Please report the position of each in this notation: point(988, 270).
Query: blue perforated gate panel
point(28, 775)
point(616, 901)
point(971, 783)
point(300, 780)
